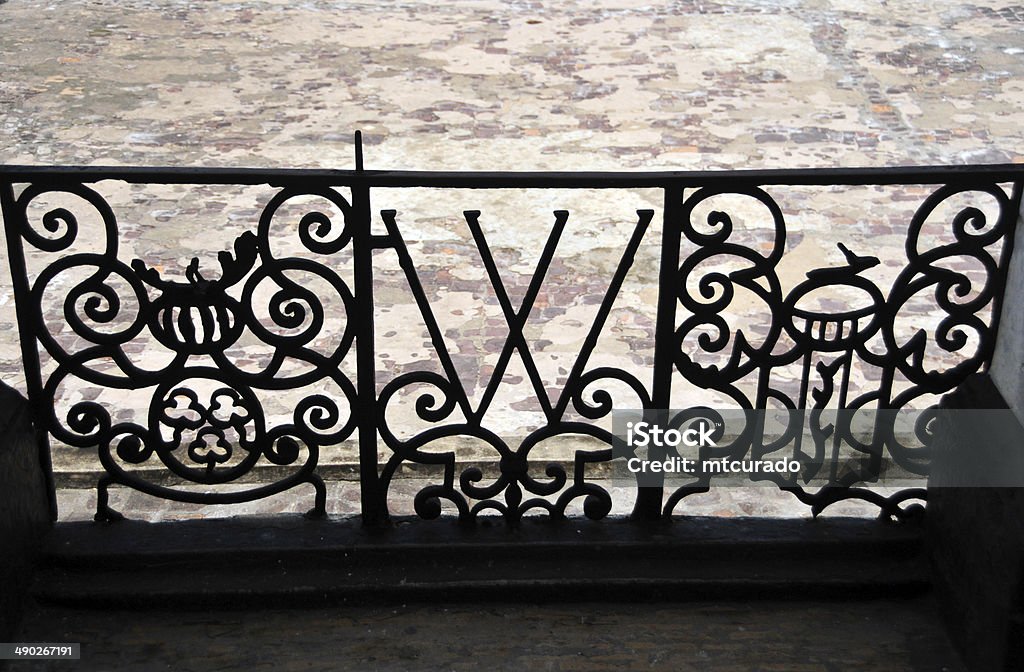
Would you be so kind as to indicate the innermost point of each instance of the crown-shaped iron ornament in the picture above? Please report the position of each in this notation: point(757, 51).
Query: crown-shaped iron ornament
point(198, 316)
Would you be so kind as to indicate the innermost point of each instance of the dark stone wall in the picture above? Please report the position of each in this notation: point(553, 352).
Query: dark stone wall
point(24, 506)
point(976, 534)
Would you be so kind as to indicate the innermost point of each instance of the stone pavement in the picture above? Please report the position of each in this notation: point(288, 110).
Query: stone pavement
point(609, 85)
point(487, 84)
point(868, 636)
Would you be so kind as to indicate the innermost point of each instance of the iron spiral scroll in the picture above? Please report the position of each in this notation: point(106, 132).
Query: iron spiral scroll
point(202, 430)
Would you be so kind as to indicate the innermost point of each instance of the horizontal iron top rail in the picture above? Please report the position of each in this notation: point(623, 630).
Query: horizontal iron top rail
point(284, 177)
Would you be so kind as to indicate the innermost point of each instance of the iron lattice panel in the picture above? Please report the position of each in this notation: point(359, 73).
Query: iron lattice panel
point(204, 421)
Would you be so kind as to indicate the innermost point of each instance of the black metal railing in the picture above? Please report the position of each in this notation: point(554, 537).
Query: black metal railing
point(200, 412)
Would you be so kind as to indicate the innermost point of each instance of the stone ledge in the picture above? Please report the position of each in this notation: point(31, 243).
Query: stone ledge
point(291, 561)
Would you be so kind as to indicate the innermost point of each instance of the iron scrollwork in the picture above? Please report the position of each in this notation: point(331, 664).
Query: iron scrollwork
point(205, 421)
point(449, 411)
point(828, 342)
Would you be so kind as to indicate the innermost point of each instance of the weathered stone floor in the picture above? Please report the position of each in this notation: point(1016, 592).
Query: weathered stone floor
point(868, 636)
point(489, 84)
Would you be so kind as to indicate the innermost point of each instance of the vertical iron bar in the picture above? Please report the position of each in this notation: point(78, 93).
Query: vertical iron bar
point(649, 500)
point(373, 501)
point(359, 150)
point(27, 326)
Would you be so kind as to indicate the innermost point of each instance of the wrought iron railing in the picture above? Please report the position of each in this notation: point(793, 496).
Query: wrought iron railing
point(200, 412)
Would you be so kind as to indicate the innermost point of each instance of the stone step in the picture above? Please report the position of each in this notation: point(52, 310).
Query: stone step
point(289, 561)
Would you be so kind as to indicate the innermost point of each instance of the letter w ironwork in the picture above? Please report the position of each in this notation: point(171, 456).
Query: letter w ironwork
point(516, 318)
